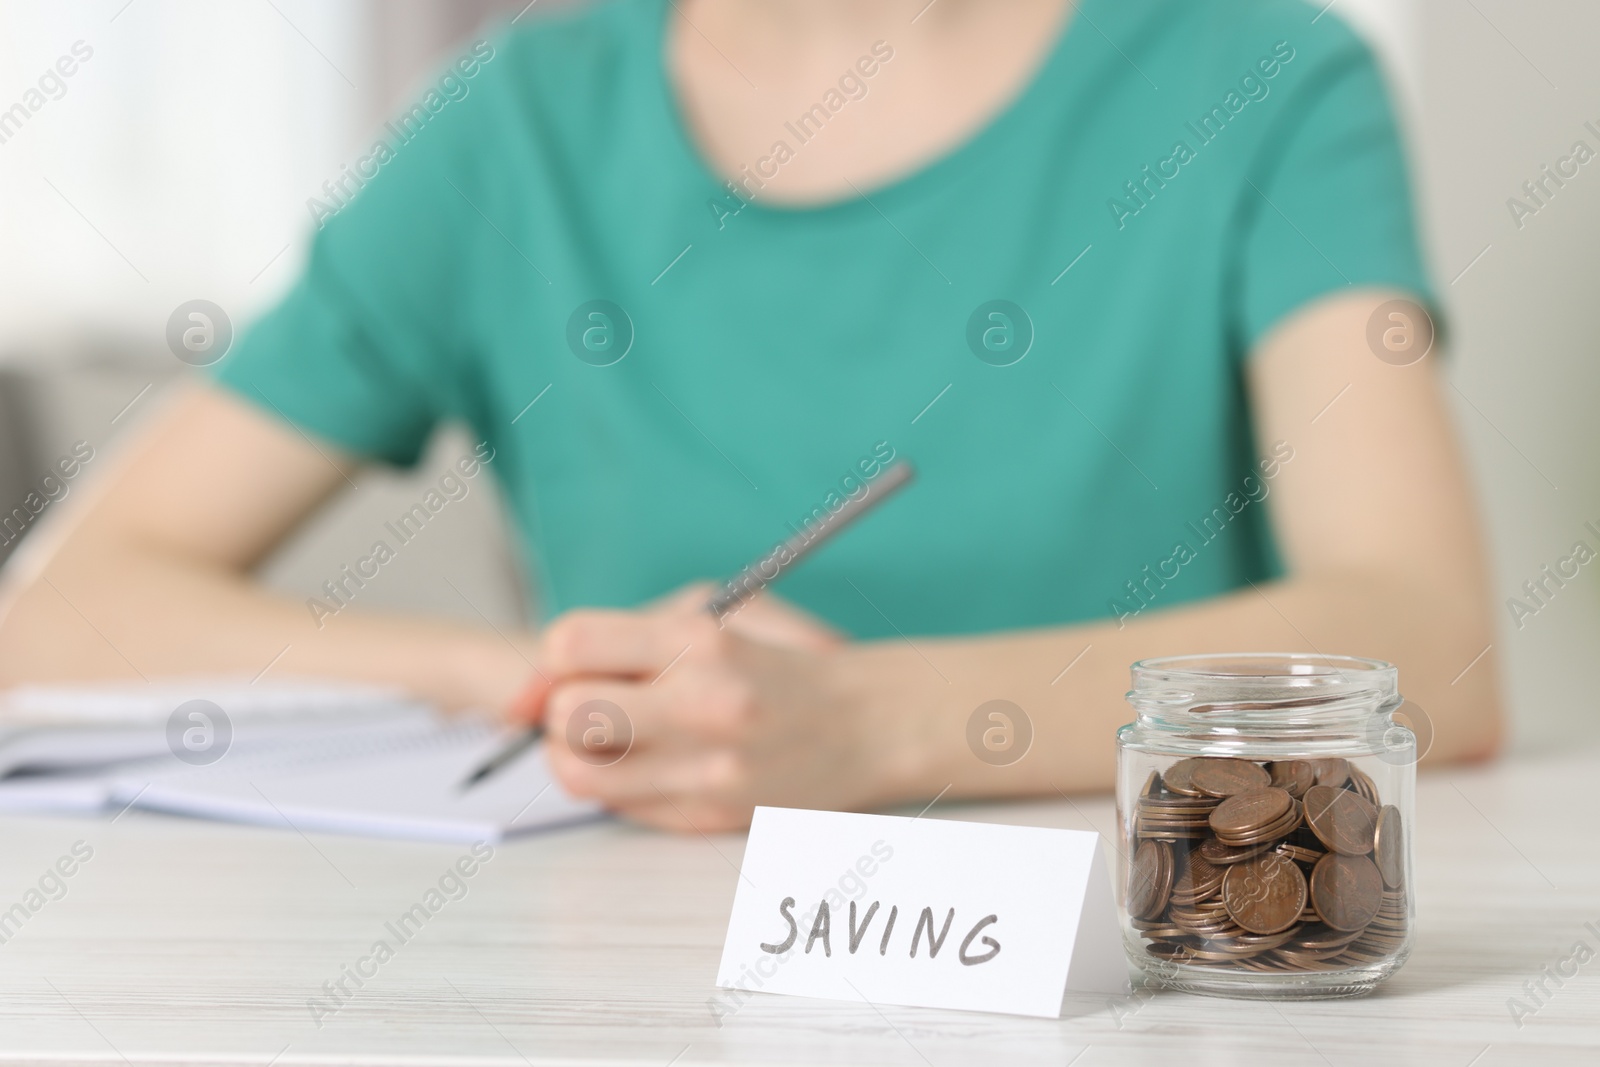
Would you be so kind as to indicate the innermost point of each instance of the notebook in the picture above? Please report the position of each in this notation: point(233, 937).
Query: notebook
point(67, 729)
point(403, 783)
point(305, 759)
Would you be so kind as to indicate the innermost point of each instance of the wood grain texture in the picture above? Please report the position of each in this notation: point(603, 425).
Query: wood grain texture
point(186, 942)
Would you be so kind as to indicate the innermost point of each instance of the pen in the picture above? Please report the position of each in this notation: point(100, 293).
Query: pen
point(756, 576)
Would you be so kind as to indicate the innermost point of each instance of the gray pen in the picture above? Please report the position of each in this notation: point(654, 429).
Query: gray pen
point(756, 576)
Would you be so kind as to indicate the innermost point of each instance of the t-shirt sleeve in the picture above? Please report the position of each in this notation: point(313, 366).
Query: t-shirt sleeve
point(1328, 204)
point(366, 350)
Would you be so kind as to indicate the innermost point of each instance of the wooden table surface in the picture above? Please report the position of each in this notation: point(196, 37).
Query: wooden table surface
point(186, 942)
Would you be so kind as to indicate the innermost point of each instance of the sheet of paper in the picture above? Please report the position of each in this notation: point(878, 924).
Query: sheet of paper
point(55, 795)
point(79, 729)
point(121, 704)
point(308, 756)
point(403, 784)
point(892, 910)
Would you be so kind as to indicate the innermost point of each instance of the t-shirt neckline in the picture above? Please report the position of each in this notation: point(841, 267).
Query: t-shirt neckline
point(1044, 84)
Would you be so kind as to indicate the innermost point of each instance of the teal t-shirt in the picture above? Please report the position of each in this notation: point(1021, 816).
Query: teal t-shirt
point(1050, 321)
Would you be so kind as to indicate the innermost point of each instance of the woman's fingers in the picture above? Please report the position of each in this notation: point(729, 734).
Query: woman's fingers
point(770, 619)
point(686, 598)
point(630, 743)
point(647, 776)
point(690, 705)
point(633, 644)
point(644, 644)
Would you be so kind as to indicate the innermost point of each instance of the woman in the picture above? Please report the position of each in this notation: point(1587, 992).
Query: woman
point(1107, 273)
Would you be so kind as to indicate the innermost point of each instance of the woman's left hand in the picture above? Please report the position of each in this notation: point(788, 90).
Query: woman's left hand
point(669, 718)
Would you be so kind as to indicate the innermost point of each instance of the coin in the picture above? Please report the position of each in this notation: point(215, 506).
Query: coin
point(1347, 890)
point(1149, 880)
point(1361, 783)
point(1265, 895)
point(1207, 923)
point(1293, 776)
point(1334, 772)
point(1266, 834)
point(1300, 853)
point(1389, 848)
point(1266, 941)
point(1342, 820)
point(1169, 951)
point(1218, 853)
point(1179, 778)
point(1205, 927)
point(1395, 908)
point(1245, 813)
point(1223, 777)
point(1199, 879)
point(1173, 804)
point(1322, 937)
point(1172, 817)
point(1160, 931)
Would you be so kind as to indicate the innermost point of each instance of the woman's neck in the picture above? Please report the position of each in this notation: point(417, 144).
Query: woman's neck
point(903, 81)
point(828, 21)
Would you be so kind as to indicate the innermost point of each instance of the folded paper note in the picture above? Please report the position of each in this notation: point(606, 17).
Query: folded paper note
point(888, 910)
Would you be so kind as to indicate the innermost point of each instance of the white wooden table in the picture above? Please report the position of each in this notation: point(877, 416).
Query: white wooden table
point(185, 942)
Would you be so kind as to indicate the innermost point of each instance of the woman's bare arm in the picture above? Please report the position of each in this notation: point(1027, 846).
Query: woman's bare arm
point(1376, 524)
point(147, 572)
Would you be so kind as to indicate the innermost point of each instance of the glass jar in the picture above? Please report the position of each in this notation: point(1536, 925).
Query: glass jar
point(1265, 803)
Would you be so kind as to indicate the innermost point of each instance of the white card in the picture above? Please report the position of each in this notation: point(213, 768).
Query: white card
point(984, 917)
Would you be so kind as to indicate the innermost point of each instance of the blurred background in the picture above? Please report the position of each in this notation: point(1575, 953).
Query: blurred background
point(175, 163)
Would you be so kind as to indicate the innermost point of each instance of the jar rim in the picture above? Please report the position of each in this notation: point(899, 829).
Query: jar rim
point(1263, 687)
point(1270, 668)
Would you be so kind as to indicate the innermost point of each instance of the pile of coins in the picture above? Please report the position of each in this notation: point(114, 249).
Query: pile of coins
point(1287, 866)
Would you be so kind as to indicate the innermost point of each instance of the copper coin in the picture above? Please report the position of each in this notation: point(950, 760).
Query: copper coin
point(1300, 853)
point(1192, 928)
point(1163, 933)
point(1265, 895)
point(1209, 912)
point(1231, 954)
point(1223, 777)
point(1322, 938)
point(1205, 928)
point(1342, 820)
point(1266, 941)
point(1334, 772)
point(1177, 805)
point(1149, 880)
point(1167, 950)
point(1266, 834)
point(1293, 776)
point(1222, 854)
point(1389, 847)
point(1244, 813)
point(1179, 777)
point(1361, 782)
point(1348, 890)
point(1200, 878)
